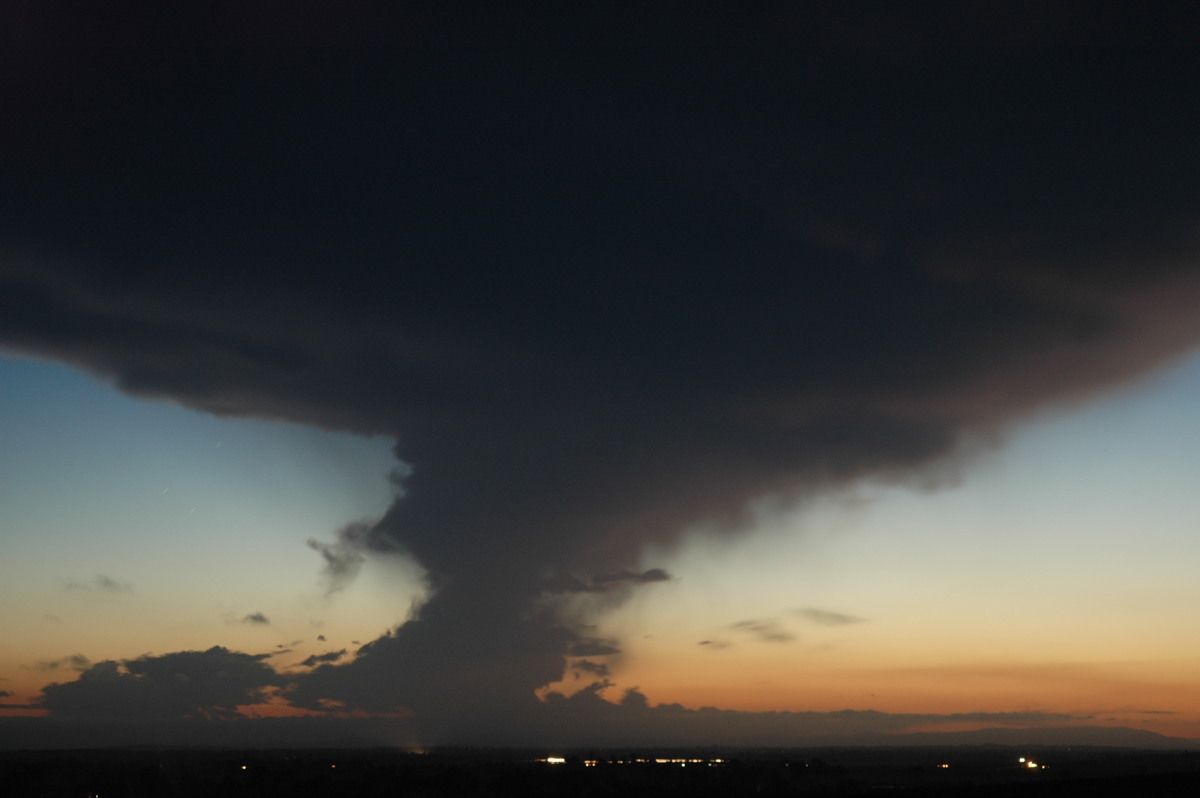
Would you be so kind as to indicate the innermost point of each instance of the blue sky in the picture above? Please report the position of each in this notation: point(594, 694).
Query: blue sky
point(1060, 553)
point(197, 520)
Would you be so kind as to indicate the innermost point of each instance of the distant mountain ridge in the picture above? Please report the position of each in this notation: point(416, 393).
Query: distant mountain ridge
point(1099, 736)
point(308, 733)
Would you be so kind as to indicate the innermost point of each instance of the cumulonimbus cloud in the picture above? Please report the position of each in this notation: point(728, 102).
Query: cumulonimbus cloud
point(597, 305)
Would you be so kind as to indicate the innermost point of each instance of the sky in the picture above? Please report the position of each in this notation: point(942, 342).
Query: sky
point(596, 395)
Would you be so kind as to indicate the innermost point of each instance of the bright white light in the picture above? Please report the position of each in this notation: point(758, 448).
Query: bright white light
point(555, 760)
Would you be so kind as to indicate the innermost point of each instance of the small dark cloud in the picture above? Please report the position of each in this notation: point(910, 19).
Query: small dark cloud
point(827, 618)
point(321, 638)
point(99, 583)
point(1157, 712)
point(5, 694)
point(320, 659)
point(583, 666)
point(256, 618)
point(768, 630)
point(716, 645)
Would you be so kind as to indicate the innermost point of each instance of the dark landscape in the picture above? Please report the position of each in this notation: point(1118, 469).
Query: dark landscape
point(940, 771)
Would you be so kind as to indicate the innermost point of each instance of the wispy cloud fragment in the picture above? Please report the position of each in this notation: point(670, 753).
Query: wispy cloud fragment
point(75, 662)
point(826, 617)
point(344, 557)
point(565, 582)
point(100, 583)
point(768, 630)
point(631, 577)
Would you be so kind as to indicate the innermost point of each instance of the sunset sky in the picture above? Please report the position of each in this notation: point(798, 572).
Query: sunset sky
point(516, 395)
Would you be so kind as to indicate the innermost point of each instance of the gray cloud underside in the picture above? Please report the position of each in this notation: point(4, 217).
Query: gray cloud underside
point(597, 299)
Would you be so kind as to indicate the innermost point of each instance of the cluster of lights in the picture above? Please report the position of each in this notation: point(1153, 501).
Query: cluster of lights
point(591, 763)
point(1029, 763)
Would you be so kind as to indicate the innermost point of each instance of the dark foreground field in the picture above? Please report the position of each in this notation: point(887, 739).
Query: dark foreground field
point(962, 771)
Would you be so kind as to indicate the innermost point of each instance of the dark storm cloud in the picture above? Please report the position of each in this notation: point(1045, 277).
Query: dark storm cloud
point(99, 584)
point(256, 619)
point(826, 617)
point(208, 684)
point(597, 297)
